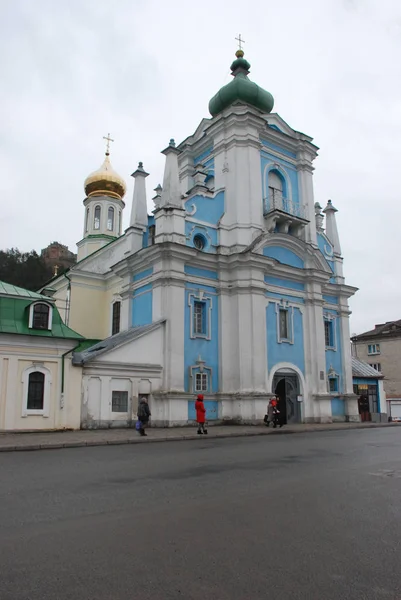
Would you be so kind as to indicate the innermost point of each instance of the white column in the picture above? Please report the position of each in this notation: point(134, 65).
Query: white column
point(170, 216)
point(229, 376)
point(238, 168)
point(139, 210)
point(351, 400)
point(174, 309)
point(331, 227)
point(305, 179)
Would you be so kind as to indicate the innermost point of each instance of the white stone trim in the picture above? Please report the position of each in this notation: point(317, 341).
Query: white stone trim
point(332, 374)
point(50, 319)
point(45, 412)
point(332, 319)
point(274, 166)
point(200, 297)
point(285, 305)
point(200, 368)
point(287, 368)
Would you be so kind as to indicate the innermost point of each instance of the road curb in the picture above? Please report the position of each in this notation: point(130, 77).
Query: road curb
point(185, 438)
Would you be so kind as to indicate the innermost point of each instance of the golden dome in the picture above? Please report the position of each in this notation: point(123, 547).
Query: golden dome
point(105, 182)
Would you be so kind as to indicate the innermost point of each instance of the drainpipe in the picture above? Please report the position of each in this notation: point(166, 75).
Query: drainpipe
point(63, 372)
point(67, 300)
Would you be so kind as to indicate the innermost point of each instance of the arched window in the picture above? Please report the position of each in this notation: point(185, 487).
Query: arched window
point(115, 321)
point(110, 219)
point(87, 220)
point(36, 391)
point(276, 189)
point(40, 316)
point(96, 219)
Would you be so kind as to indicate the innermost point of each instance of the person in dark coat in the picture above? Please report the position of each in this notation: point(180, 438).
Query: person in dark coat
point(200, 414)
point(143, 415)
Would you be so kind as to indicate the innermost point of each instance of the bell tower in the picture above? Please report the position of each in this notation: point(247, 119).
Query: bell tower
point(104, 205)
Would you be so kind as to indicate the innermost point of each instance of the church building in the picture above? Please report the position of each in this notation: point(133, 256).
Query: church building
point(233, 287)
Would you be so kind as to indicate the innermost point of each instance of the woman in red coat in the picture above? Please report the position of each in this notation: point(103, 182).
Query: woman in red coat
point(200, 414)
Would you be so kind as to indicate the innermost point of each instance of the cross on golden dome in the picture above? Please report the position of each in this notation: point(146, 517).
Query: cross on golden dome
point(108, 140)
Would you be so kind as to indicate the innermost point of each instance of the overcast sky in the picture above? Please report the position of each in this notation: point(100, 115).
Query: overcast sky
point(144, 70)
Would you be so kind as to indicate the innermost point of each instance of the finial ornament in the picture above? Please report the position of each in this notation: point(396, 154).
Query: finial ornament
point(108, 140)
point(240, 42)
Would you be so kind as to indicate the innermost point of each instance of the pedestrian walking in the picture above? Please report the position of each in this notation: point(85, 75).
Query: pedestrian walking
point(143, 415)
point(200, 414)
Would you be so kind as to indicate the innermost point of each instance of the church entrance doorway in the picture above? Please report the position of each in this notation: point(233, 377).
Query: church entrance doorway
point(287, 389)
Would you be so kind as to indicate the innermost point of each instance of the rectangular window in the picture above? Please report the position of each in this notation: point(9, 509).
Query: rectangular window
point(115, 325)
point(40, 316)
point(201, 382)
point(333, 384)
point(328, 334)
point(199, 318)
point(36, 391)
point(283, 319)
point(373, 348)
point(119, 401)
point(152, 233)
point(376, 366)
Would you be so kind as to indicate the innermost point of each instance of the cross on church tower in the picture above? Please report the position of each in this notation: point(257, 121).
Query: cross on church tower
point(240, 41)
point(108, 140)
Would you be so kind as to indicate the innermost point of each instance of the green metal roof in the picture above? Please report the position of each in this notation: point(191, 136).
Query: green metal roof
point(7, 289)
point(14, 314)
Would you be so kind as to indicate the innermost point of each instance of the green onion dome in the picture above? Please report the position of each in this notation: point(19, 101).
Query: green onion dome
point(241, 90)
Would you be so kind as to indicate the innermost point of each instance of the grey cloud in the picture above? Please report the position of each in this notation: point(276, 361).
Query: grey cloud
point(145, 71)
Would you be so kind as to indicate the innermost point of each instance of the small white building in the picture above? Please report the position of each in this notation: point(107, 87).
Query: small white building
point(39, 389)
point(232, 287)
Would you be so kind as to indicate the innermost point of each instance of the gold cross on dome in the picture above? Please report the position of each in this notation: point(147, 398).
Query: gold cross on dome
point(108, 140)
point(240, 41)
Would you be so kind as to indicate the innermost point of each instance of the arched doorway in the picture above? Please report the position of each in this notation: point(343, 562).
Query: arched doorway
point(286, 387)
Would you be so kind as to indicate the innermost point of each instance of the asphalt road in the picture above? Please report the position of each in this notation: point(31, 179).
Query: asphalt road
point(286, 517)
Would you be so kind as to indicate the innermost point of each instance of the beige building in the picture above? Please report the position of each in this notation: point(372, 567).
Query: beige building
point(39, 387)
point(381, 349)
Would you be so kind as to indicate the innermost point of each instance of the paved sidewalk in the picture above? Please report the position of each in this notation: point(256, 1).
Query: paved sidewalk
point(10, 442)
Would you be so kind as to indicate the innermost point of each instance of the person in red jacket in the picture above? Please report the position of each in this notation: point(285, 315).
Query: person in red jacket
point(200, 414)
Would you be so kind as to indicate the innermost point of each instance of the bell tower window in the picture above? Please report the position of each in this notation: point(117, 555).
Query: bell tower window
point(110, 219)
point(96, 219)
point(276, 190)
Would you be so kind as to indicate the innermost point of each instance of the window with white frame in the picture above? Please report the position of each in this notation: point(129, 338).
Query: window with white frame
point(284, 323)
point(96, 218)
point(119, 401)
point(110, 218)
point(199, 317)
point(87, 220)
point(201, 382)
point(275, 189)
point(333, 384)
point(36, 382)
point(329, 339)
point(373, 348)
point(40, 316)
point(376, 366)
point(36, 391)
point(115, 319)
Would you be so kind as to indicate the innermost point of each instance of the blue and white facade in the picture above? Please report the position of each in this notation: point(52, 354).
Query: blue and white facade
point(243, 272)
